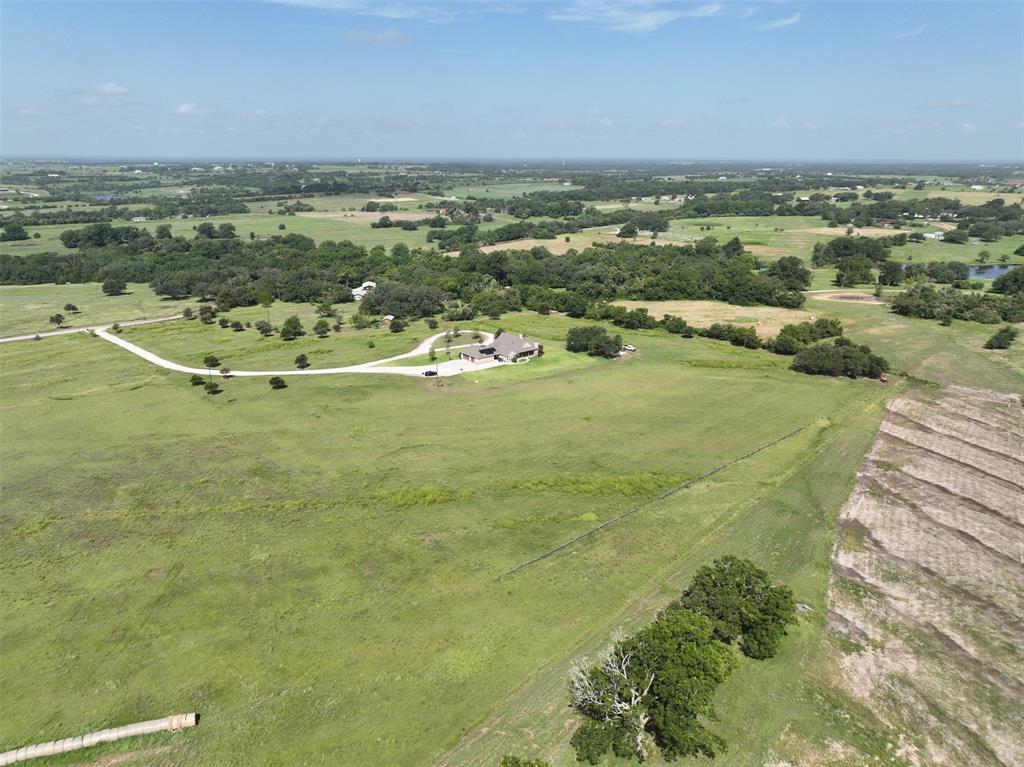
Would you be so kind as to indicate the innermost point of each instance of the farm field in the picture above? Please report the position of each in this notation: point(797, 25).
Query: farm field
point(926, 349)
point(27, 308)
point(767, 320)
point(506, 189)
point(328, 225)
point(924, 590)
point(295, 563)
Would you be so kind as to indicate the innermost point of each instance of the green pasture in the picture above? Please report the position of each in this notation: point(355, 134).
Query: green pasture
point(188, 342)
point(344, 226)
point(348, 202)
point(319, 570)
point(27, 309)
point(506, 189)
point(928, 350)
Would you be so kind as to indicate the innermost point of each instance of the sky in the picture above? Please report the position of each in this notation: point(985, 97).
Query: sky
point(517, 79)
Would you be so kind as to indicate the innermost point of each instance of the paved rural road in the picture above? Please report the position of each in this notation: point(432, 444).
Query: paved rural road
point(444, 369)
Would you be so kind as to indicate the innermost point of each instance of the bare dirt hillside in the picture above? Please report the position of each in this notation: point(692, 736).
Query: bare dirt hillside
point(927, 582)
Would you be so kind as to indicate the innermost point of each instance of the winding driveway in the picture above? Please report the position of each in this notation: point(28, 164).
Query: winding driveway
point(443, 369)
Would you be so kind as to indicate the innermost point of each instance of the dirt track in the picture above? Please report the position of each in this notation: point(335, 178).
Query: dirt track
point(927, 585)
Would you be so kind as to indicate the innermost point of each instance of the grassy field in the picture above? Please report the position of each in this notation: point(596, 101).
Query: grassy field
point(926, 349)
point(507, 189)
point(327, 225)
point(318, 570)
point(189, 342)
point(27, 309)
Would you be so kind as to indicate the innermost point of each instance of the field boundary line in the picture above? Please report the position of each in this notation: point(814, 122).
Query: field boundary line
point(671, 491)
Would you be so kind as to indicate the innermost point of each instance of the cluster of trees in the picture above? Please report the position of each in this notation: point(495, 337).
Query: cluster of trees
point(655, 689)
point(409, 225)
point(594, 340)
point(946, 304)
point(290, 267)
point(404, 300)
point(840, 358)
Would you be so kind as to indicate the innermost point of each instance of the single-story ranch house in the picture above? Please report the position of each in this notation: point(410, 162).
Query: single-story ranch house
point(508, 347)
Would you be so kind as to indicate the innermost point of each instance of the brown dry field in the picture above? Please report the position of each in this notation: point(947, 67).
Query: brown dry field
point(767, 320)
point(850, 298)
point(768, 250)
point(927, 583)
point(346, 215)
point(866, 231)
point(557, 246)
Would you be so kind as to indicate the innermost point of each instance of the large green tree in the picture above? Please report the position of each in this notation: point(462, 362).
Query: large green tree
point(743, 604)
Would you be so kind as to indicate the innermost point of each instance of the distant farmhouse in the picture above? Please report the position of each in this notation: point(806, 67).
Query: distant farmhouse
point(359, 293)
point(508, 347)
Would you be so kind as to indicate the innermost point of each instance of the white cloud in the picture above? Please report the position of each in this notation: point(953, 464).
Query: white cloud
point(109, 89)
point(910, 33)
point(437, 13)
point(632, 15)
point(107, 94)
point(191, 108)
point(780, 123)
point(787, 21)
point(967, 128)
point(378, 38)
point(30, 112)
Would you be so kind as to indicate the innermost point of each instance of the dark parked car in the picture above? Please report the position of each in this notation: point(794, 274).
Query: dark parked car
point(430, 373)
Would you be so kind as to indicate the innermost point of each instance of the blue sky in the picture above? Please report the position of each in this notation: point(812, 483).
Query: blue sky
point(565, 79)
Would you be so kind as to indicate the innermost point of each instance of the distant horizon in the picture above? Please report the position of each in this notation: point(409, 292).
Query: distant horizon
point(768, 162)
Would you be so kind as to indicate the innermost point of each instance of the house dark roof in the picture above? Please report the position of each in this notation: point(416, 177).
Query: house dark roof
point(508, 344)
point(478, 352)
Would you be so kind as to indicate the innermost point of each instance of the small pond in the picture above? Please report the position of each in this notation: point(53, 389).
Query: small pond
point(989, 272)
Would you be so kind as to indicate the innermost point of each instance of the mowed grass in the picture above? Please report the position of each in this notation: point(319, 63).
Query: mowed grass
point(188, 342)
point(926, 349)
point(320, 225)
point(27, 309)
point(318, 570)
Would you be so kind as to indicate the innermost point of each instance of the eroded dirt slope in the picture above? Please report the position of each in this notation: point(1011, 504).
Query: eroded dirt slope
point(927, 583)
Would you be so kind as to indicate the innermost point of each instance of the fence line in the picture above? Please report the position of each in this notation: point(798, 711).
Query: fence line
point(172, 723)
point(645, 504)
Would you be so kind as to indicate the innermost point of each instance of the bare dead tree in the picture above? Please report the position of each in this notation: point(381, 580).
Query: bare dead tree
point(614, 689)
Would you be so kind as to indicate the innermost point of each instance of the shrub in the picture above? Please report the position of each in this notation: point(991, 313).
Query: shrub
point(302, 362)
point(277, 383)
point(237, 326)
point(594, 340)
point(197, 380)
point(431, 323)
point(734, 334)
point(224, 322)
point(842, 358)
point(188, 313)
point(264, 328)
point(397, 325)
point(114, 286)
point(212, 387)
point(322, 328)
point(1003, 338)
point(292, 328)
